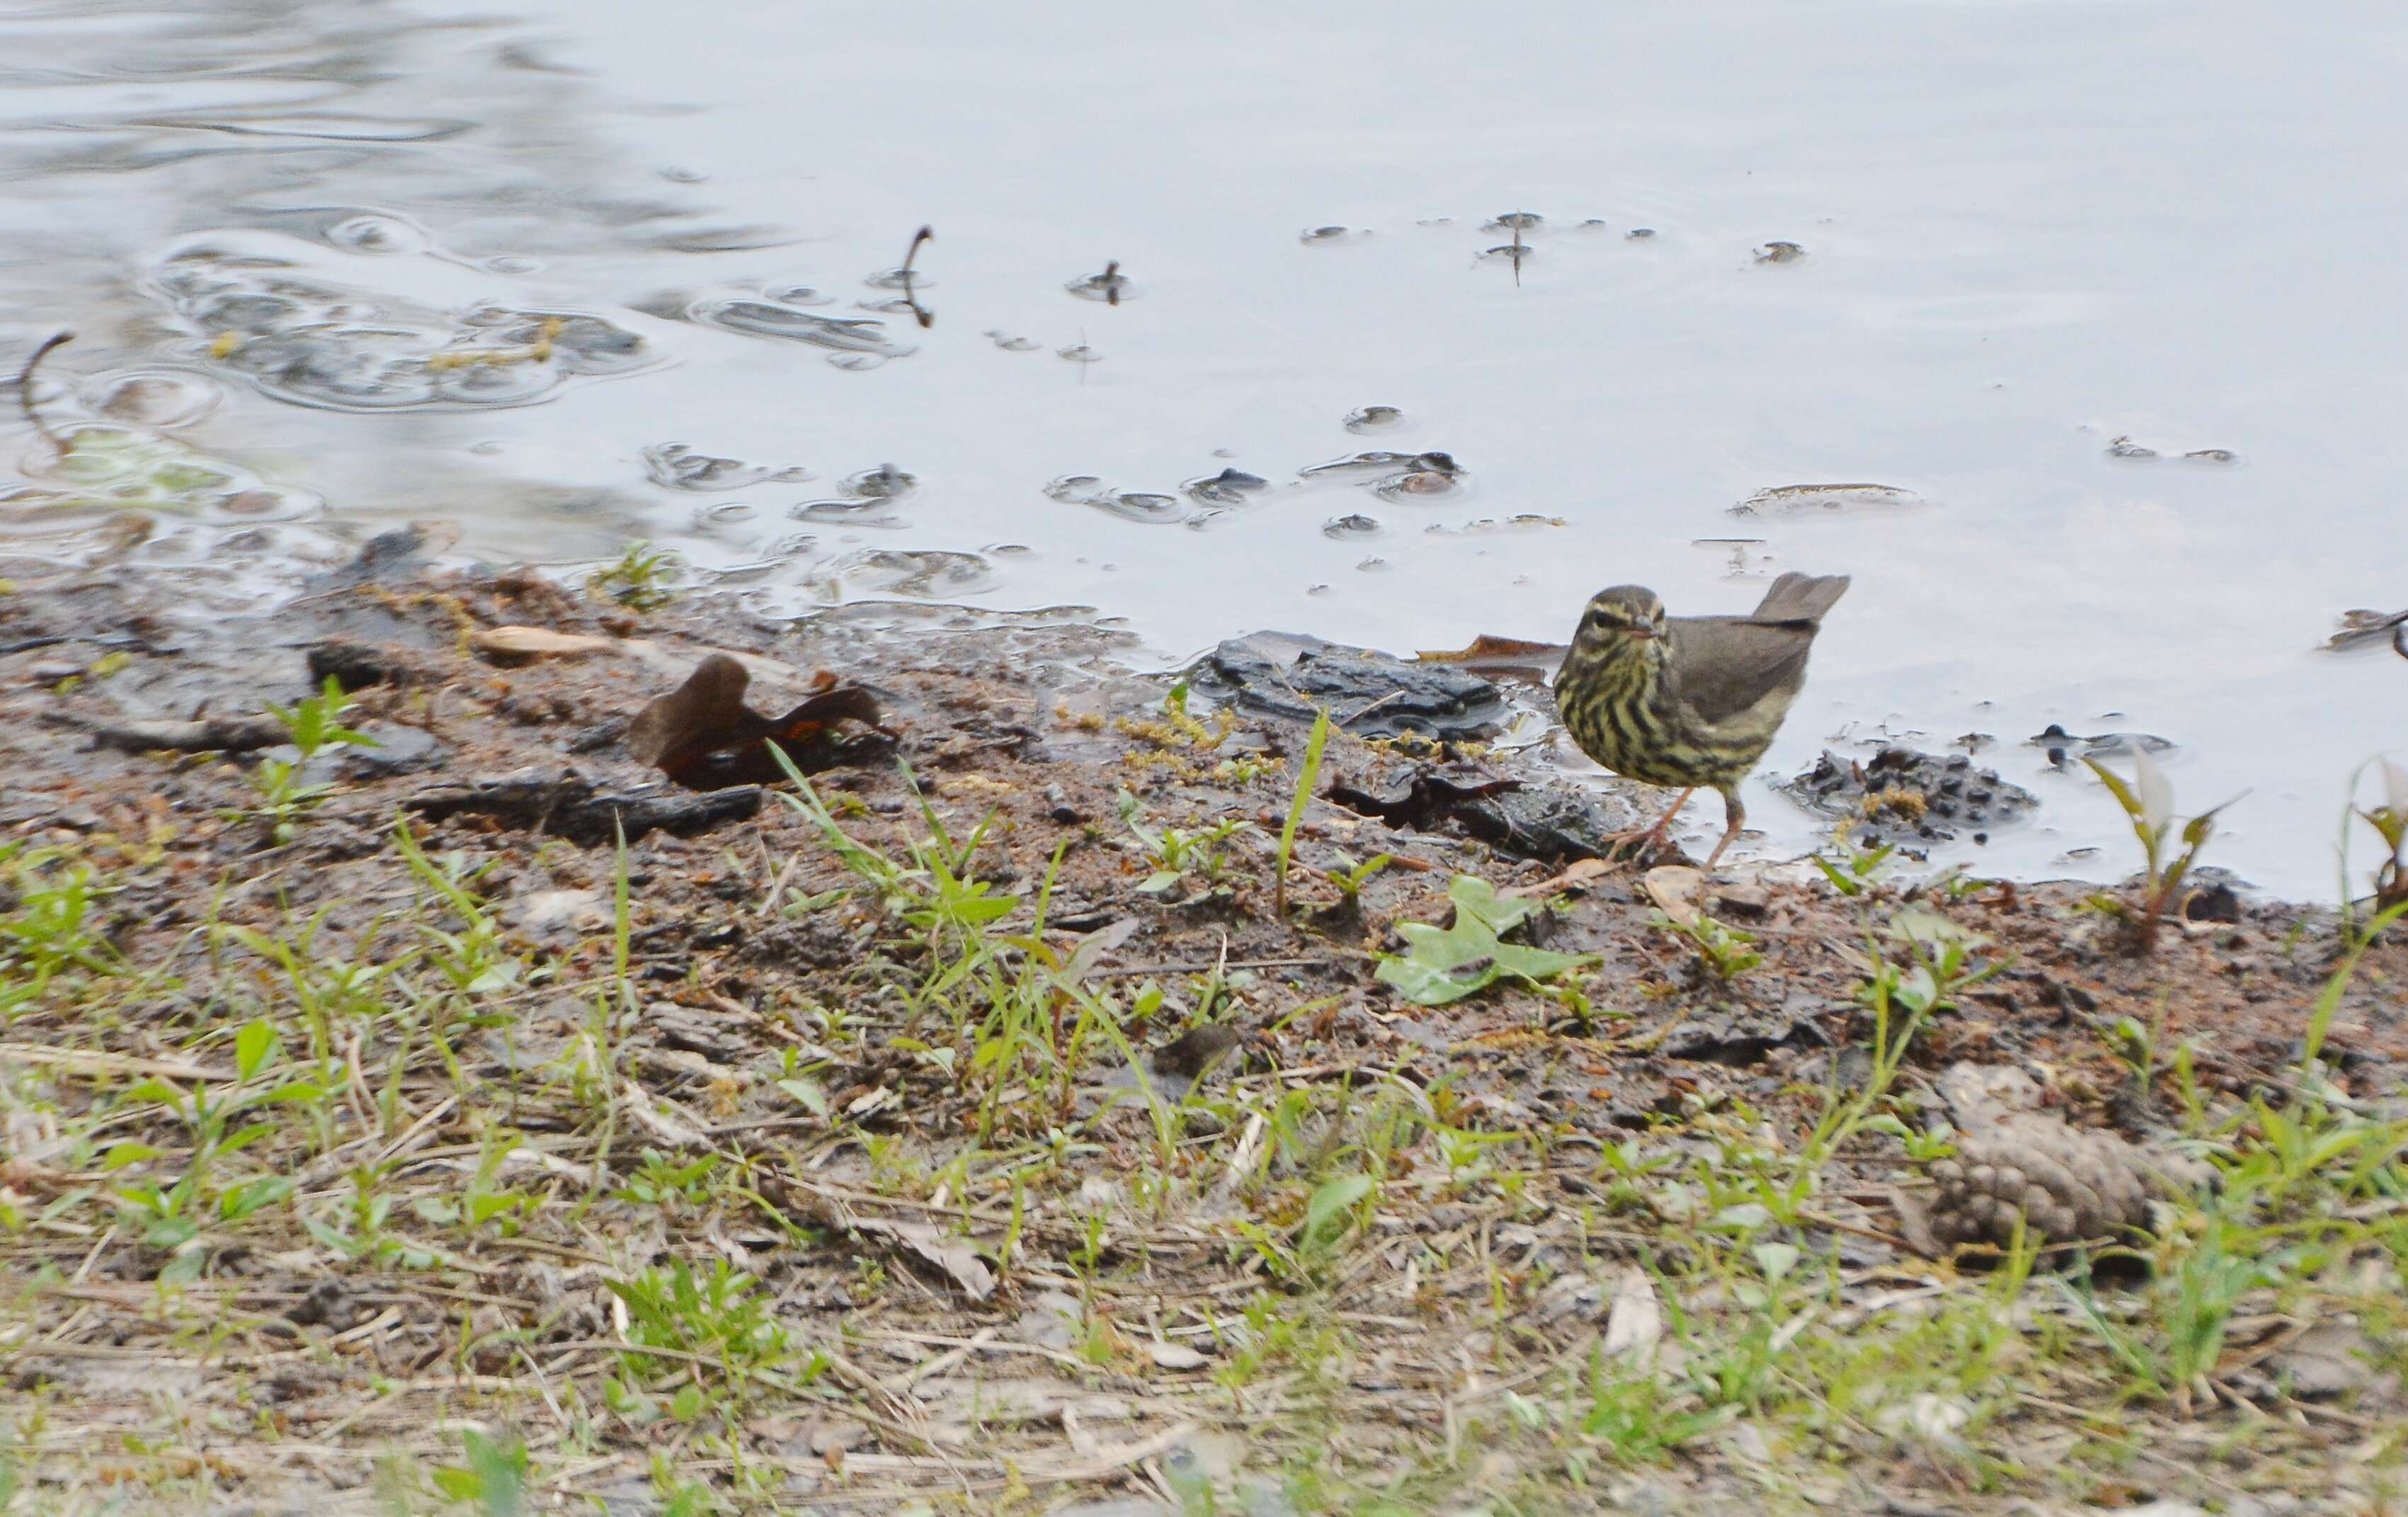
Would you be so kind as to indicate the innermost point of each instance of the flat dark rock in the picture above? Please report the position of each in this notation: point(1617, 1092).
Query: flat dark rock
point(1553, 823)
point(1293, 677)
point(568, 804)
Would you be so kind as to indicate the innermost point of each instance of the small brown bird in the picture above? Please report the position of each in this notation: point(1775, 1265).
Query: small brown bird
point(1688, 701)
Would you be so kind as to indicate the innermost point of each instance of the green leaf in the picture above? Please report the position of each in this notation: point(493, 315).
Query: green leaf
point(252, 1047)
point(262, 1192)
point(1442, 965)
point(809, 1092)
point(121, 1154)
point(1334, 1198)
point(1159, 883)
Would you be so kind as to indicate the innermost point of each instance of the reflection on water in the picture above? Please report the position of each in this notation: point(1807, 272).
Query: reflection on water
point(2116, 341)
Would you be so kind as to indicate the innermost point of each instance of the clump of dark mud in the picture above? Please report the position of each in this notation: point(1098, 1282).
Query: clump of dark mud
point(1902, 795)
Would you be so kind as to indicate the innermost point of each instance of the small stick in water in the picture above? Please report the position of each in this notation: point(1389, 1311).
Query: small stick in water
point(927, 318)
point(25, 389)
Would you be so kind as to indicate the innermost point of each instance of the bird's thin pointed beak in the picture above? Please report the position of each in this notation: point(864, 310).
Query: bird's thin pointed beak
point(1642, 630)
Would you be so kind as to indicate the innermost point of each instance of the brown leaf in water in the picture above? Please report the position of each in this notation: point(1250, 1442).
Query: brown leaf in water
point(703, 735)
point(1488, 654)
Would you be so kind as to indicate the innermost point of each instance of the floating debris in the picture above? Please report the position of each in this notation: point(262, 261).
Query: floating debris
point(1079, 352)
point(1515, 221)
point(266, 317)
point(1373, 418)
point(1112, 286)
point(2124, 447)
point(160, 398)
point(866, 501)
point(1350, 526)
point(1326, 233)
point(1229, 488)
point(2358, 627)
point(1384, 463)
point(1779, 252)
point(1420, 482)
point(674, 466)
point(761, 316)
point(1638, 234)
point(1827, 499)
point(1900, 795)
point(1012, 344)
point(2064, 748)
point(800, 295)
point(923, 573)
point(1143, 506)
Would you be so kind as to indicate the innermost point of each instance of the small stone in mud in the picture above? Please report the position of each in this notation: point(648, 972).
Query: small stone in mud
point(1356, 524)
point(1196, 1050)
point(1373, 418)
point(1638, 234)
point(391, 554)
point(1294, 677)
point(2124, 447)
point(1902, 795)
point(1323, 234)
point(1517, 221)
point(1779, 252)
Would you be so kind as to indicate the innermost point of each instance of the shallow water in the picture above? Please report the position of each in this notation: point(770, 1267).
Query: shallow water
point(579, 273)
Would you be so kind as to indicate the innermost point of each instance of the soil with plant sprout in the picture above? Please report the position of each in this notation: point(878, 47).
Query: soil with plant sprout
point(939, 1070)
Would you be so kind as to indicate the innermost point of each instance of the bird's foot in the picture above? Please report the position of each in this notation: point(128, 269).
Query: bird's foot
point(1638, 844)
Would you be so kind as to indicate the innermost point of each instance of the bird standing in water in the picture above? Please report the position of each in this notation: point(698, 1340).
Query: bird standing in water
point(1689, 701)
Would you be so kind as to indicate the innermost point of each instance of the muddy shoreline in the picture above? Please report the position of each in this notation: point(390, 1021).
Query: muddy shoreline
point(824, 1004)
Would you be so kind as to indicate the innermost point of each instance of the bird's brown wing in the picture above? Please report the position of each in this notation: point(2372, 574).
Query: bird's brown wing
point(1723, 665)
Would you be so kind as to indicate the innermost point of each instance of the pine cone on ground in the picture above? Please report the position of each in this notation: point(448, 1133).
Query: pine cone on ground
point(2066, 1185)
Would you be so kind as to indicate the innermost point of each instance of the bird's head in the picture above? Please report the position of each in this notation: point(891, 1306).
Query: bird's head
point(1627, 618)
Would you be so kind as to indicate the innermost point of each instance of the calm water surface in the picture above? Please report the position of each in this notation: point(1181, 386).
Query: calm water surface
point(572, 275)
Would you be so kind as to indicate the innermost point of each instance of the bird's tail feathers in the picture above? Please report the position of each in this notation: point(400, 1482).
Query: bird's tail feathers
point(1800, 597)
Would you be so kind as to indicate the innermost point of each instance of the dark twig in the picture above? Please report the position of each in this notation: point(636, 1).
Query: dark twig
point(927, 318)
point(25, 389)
point(1113, 282)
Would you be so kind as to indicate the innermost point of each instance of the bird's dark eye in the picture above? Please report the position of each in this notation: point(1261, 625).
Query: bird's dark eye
point(1598, 617)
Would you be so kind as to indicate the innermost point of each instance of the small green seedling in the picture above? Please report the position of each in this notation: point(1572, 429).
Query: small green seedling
point(639, 580)
point(1857, 871)
point(2390, 823)
point(1350, 877)
point(1175, 854)
point(1307, 775)
point(1723, 953)
point(2148, 801)
point(313, 726)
